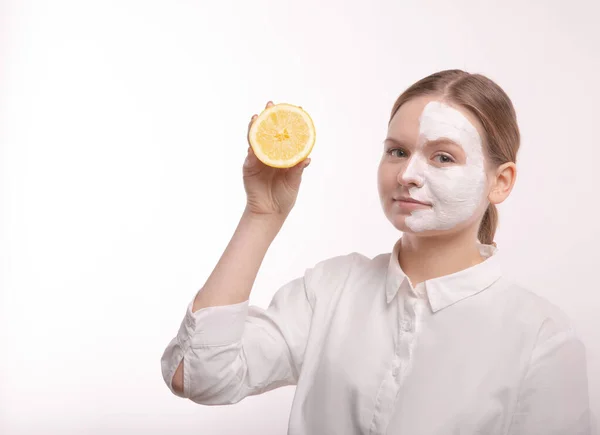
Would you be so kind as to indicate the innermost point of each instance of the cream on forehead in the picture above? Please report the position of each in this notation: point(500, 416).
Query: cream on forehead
point(454, 191)
point(440, 120)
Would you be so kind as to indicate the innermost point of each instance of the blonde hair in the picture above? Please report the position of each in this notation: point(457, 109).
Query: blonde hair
point(485, 100)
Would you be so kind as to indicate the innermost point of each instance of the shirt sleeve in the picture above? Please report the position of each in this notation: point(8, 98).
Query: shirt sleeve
point(554, 398)
point(233, 351)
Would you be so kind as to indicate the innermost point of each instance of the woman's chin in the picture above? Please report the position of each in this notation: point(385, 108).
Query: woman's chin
point(400, 224)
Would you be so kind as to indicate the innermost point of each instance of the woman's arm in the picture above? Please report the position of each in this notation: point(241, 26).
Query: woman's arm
point(233, 351)
point(233, 277)
point(225, 349)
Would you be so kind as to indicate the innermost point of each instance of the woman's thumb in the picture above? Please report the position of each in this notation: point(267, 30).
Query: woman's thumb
point(305, 163)
point(298, 170)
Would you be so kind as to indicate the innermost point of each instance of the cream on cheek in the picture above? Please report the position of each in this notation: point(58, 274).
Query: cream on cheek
point(454, 191)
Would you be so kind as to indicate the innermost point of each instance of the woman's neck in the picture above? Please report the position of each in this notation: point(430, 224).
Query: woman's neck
point(423, 258)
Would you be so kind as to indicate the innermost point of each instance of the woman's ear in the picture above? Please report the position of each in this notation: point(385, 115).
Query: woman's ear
point(503, 182)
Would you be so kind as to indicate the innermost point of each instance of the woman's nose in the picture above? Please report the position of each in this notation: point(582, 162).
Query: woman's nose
point(413, 172)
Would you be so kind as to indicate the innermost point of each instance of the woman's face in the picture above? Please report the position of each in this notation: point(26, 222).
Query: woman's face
point(432, 178)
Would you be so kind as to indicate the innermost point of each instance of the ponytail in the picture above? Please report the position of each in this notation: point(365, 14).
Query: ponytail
point(489, 223)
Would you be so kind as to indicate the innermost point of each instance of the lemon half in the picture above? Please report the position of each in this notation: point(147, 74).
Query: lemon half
point(282, 135)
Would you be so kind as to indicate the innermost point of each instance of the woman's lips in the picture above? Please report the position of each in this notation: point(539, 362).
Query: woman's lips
point(410, 204)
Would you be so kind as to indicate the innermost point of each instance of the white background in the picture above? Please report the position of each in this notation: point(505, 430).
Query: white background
point(123, 130)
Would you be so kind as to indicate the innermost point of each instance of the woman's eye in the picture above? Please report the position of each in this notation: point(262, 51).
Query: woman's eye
point(443, 158)
point(400, 154)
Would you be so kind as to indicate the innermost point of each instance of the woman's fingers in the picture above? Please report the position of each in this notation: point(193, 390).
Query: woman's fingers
point(250, 125)
point(252, 120)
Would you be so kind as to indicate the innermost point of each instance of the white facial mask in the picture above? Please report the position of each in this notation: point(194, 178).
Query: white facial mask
point(454, 191)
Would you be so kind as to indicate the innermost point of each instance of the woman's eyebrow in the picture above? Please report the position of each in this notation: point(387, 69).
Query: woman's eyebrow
point(442, 141)
point(429, 143)
point(396, 142)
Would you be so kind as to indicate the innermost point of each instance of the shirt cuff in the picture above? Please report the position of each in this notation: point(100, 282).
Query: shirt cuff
point(213, 326)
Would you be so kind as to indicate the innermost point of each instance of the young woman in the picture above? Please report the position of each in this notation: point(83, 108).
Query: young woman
point(428, 339)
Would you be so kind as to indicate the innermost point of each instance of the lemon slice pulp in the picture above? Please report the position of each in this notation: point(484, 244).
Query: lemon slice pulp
point(282, 135)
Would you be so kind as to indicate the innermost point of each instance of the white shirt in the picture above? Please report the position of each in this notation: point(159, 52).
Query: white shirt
point(466, 353)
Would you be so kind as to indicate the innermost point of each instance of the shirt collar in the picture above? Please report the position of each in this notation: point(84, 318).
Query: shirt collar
point(449, 289)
